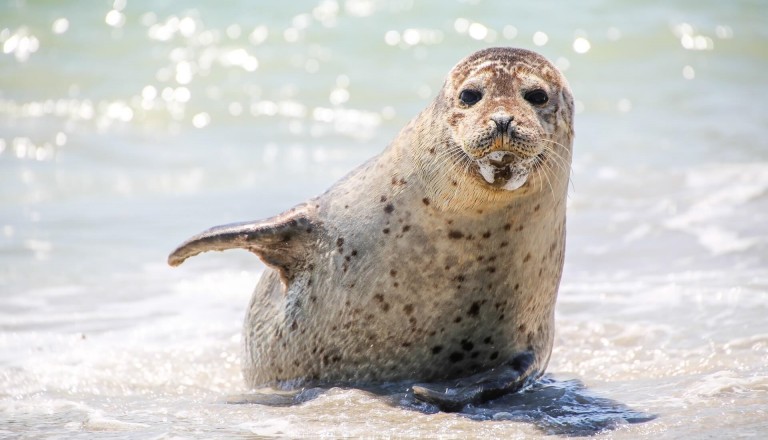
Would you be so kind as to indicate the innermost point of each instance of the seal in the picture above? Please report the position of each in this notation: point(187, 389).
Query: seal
point(439, 259)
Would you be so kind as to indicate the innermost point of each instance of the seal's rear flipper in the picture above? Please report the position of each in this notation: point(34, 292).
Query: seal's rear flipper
point(452, 396)
point(282, 242)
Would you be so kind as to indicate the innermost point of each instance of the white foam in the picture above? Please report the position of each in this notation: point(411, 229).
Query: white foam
point(726, 382)
point(723, 193)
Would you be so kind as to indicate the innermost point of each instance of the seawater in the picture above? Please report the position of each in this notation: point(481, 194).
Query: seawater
point(126, 126)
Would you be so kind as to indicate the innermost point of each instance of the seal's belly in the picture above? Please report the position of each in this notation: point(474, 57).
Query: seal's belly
point(445, 309)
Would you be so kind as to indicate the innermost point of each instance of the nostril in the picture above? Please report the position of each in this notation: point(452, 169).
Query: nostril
point(502, 122)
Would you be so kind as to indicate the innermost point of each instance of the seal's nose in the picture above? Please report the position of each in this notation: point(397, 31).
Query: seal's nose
point(502, 121)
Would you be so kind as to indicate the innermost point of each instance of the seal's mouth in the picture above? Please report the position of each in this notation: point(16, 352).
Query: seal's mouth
point(505, 170)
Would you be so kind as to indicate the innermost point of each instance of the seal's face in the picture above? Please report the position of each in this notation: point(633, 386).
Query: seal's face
point(508, 111)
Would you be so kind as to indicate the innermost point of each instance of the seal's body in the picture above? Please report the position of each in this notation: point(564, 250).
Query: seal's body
point(439, 258)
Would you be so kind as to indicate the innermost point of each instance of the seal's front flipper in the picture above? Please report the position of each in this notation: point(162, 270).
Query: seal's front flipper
point(452, 396)
point(282, 242)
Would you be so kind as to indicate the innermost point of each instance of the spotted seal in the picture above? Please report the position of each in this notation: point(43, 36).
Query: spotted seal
point(439, 259)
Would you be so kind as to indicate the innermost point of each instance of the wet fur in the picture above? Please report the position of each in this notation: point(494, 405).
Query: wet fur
point(412, 266)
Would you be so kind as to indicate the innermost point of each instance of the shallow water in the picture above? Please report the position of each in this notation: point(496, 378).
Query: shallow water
point(127, 126)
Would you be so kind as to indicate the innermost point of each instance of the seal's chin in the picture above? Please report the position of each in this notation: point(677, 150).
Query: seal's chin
point(504, 170)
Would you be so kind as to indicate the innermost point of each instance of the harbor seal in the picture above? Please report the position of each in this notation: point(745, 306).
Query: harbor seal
point(439, 259)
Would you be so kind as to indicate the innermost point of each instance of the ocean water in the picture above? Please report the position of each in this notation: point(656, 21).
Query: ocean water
point(127, 126)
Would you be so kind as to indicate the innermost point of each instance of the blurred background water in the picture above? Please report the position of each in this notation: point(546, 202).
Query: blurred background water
point(126, 126)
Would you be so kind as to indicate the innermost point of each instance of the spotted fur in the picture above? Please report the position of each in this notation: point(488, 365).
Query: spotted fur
point(414, 266)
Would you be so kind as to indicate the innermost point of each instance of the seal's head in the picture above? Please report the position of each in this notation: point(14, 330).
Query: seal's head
point(508, 114)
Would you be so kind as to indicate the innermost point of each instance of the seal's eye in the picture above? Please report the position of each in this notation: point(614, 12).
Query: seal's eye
point(470, 97)
point(536, 97)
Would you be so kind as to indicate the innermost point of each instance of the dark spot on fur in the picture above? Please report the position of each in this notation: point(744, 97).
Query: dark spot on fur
point(393, 272)
point(501, 317)
point(493, 355)
point(454, 183)
point(537, 207)
point(385, 230)
point(459, 278)
point(527, 258)
point(396, 284)
point(467, 345)
point(487, 340)
point(312, 298)
point(348, 258)
point(405, 344)
point(474, 309)
point(487, 234)
point(378, 297)
point(508, 226)
point(521, 328)
point(454, 234)
point(294, 325)
point(519, 228)
point(425, 201)
point(389, 208)
point(480, 258)
point(456, 357)
point(406, 228)
point(346, 206)
point(491, 269)
point(454, 119)
point(503, 244)
point(474, 355)
point(437, 349)
point(339, 242)
point(517, 286)
point(383, 199)
point(354, 253)
point(408, 309)
point(286, 238)
point(432, 150)
point(457, 320)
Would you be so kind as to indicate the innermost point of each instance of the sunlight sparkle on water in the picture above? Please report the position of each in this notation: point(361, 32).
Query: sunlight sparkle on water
point(115, 18)
point(60, 25)
point(540, 38)
point(688, 72)
point(581, 45)
point(201, 120)
point(509, 32)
